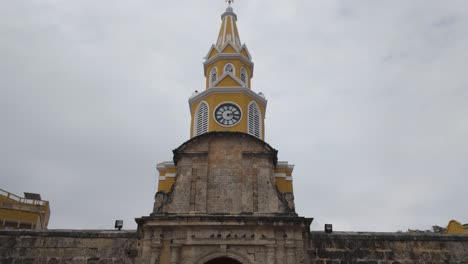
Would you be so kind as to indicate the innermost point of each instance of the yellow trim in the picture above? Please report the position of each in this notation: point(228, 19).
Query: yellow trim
point(455, 227)
point(284, 185)
point(166, 185)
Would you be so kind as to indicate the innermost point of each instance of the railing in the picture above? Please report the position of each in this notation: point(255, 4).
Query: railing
point(14, 197)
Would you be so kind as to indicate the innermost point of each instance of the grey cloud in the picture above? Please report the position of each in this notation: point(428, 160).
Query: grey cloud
point(372, 95)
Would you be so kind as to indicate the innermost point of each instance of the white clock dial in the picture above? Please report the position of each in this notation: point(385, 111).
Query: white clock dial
point(227, 114)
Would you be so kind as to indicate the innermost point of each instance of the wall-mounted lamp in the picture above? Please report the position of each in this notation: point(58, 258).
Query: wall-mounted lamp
point(118, 224)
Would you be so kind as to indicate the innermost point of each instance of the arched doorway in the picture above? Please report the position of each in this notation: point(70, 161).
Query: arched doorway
point(223, 260)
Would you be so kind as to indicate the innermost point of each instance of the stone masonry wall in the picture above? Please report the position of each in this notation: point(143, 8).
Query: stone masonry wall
point(68, 247)
point(121, 247)
point(383, 248)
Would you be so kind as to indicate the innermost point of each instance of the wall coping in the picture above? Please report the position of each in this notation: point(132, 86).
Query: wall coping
point(72, 233)
point(388, 236)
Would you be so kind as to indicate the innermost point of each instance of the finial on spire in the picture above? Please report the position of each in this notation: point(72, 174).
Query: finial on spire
point(229, 2)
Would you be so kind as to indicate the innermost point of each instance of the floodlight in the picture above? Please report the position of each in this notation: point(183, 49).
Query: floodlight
point(118, 224)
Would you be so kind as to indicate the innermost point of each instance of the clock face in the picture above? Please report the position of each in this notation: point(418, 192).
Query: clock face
point(227, 114)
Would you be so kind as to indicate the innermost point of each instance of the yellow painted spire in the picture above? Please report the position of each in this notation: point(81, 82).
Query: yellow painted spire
point(228, 32)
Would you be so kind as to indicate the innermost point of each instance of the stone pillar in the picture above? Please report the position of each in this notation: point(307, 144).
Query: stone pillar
point(290, 255)
point(175, 252)
point(280, 254)
point(270, 255)
point(187, 255)
point(155, 253)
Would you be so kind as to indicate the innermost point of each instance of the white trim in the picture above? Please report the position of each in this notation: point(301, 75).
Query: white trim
point(224, 32)
point(165, 165)
point(227, 102)
point(233, 34)
point(246, 49)
point(222, 77)
point(168, 175)
point(233, 69)
point(289, 178)
point(282, 164)
point(227, 90)
point(228, 56)
point(211, 49)
point(195, 118)
point(280, 175)
point(228, 43)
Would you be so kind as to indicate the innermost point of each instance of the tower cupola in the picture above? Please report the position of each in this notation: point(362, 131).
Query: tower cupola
point(228, 62)
point(228, 102)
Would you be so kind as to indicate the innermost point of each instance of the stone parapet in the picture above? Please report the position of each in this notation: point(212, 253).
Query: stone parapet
point(68, 247)
point(368, 247)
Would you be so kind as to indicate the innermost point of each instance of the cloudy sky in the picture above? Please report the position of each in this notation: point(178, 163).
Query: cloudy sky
point(368, 98)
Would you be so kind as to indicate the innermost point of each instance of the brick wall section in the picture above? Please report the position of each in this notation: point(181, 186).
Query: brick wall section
point(387, 248)
point(68, 247)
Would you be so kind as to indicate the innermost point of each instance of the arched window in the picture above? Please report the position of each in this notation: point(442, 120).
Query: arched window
point(229, 68)
point(213, 75)
point(243, 76)
point(201, 119)
point(254, 119)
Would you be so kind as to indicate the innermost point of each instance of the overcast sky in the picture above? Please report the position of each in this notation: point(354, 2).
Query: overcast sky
point(368, 98)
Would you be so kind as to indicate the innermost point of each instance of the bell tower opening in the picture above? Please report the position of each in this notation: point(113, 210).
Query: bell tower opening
point(223, 261)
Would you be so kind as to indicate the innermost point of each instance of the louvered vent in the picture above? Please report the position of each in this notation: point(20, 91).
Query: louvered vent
point(254, 120)
point(214, 76)
point(243, 76)
point(201, 119)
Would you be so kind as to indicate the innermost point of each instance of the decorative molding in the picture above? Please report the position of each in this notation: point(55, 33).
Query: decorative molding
point(165, 165)
point(229, 43)
point(227, 90)
point(168, 175)
point(233, 69)
point(228, 56)
point(247, 50)
point(280, 175)
point(225, 74)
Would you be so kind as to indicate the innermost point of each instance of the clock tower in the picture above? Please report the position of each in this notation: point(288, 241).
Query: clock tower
point(224, 197)
point(228, 102)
